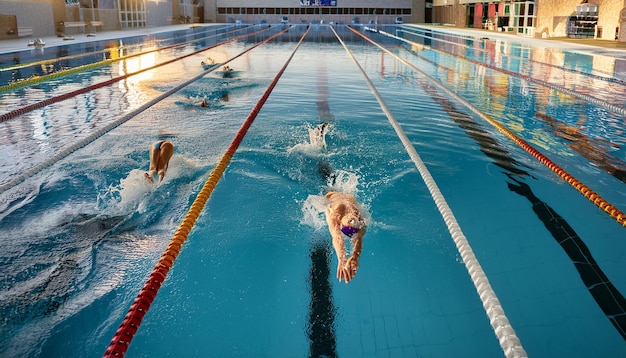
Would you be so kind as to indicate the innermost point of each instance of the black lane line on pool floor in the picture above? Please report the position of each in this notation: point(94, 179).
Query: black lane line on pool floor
point(606, 295)
point(321, 328)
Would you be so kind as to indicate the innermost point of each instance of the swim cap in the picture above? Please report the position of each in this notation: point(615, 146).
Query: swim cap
point(349, 230)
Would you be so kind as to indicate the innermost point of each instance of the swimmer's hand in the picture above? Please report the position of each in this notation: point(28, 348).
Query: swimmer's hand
point(346, 269)
point(352, 265)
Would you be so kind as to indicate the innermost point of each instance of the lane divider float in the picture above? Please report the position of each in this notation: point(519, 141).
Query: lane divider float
point(592, 196)
point(609, 106)
point(509, 342)
point(463, 38)
point(95, 135)
point(39, 79)
point(17, 112)
point(129, 326)
point(105, 51)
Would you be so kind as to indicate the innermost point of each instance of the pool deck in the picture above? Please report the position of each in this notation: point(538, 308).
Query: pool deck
point(590, 46)
point(21, 44)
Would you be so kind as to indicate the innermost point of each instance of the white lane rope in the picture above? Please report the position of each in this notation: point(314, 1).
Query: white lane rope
point(509, 341)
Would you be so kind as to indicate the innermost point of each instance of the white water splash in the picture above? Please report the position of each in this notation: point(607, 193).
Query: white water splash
point(313, 210)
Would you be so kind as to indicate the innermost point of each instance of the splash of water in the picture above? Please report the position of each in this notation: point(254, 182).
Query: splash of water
point(313, 210)
point(344, 181)
point(131, 194)
point(316, 146)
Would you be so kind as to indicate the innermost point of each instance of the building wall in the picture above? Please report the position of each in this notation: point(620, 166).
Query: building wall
point(552, 17)
point(159, 13)
point(44, 16)
point(8, 25)
point(451, 14)
point(36, 14)
point(273, 10)
point(418, 15)
point(622, 26)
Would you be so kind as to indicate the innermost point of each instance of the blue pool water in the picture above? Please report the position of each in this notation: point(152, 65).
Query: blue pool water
point(256, 276)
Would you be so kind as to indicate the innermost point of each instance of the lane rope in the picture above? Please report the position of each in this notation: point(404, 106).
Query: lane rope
point(17, 112)
point(129, 326)
point(592, 196)
point(92, 137)
point(551, 51)
point(585, 97)
point(52, 61)
point(38, 79)
point(509, 341)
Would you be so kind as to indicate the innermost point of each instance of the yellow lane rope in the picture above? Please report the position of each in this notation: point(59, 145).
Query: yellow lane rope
point(129, 326)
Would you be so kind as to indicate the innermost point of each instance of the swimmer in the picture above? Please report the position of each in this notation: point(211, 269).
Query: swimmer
point(228, 72)
point(317, 136)
point(160, 154)
point(344, 219)
point(203, 103)
point(209, 62)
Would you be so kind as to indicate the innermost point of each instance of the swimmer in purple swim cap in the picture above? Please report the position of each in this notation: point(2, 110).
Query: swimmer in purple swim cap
point(344, 218)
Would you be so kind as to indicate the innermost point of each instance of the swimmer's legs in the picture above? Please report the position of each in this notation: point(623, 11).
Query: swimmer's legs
point(166, 152)
point(154, 159)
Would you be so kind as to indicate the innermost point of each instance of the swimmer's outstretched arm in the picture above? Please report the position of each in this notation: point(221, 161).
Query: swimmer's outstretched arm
point(346, 267)
point(352, 263)
point(343, 274)
point(333, 218)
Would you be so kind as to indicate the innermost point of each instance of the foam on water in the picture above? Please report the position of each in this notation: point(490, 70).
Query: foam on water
point(316, 146)
point(313, 210)
point(131, 194)
point(134, 192)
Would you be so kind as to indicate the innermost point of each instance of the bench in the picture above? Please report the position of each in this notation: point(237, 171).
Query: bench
point(73, 24)
point(24, 31)
point(93, 25)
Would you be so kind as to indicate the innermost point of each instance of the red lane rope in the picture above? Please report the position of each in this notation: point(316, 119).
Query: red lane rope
point(125, 333)
point(9, 115)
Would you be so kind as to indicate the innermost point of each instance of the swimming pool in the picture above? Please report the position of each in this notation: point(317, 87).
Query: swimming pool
point(256, 275)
